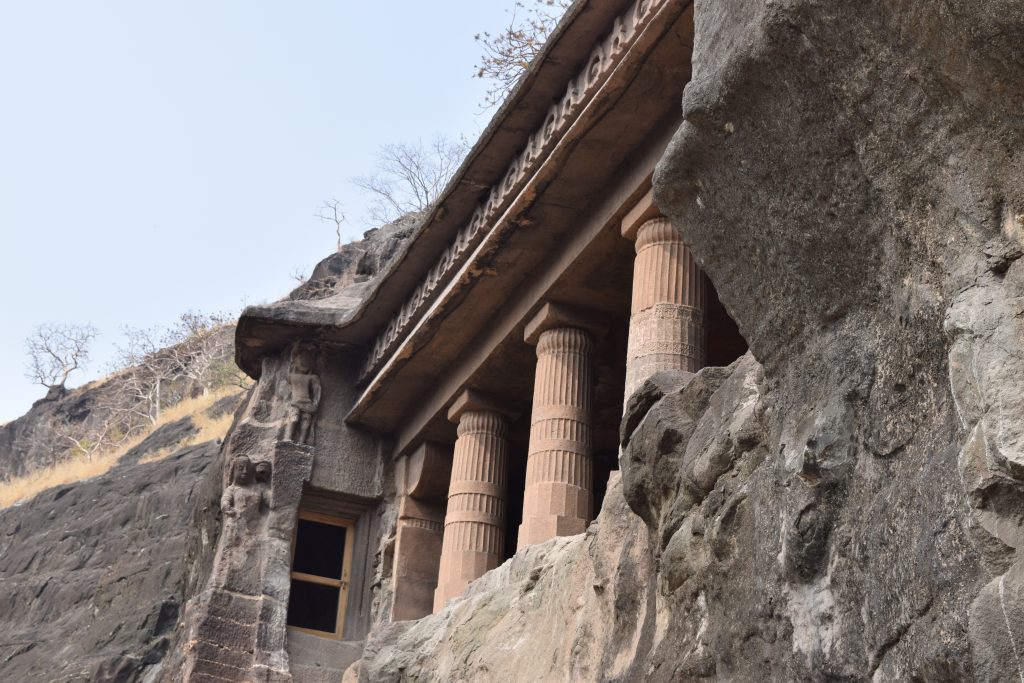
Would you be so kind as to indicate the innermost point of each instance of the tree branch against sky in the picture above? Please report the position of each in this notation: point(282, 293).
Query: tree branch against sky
point(330, 212)
point(410, 176)
point(508, 53)
point(56, 350)
point(144, 371)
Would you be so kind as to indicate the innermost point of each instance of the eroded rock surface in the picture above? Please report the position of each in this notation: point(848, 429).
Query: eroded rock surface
point(93, 575)
point(849, 175)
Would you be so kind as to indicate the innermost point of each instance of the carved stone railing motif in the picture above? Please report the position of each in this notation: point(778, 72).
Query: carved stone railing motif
point(580, 90)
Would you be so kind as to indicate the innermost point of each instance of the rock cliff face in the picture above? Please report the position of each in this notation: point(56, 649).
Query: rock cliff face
point(93, 575)
point(850, 177)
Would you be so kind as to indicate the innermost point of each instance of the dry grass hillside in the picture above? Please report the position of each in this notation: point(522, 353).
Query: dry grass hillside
point(207, 425)
point(172, 388)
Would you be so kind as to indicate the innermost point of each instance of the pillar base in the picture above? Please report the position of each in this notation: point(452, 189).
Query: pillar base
point(471, 566)
point(417, 559)
point(539, 529)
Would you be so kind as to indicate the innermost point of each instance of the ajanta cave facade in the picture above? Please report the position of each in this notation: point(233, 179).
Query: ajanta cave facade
point(400, 445)
point(555, 369)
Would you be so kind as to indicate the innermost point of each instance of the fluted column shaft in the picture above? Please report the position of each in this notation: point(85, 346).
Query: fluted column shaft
point(666, 325)
point(474, 524)
point(559, 497)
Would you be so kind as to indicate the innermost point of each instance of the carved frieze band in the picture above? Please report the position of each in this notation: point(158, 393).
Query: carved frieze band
point(580, 90)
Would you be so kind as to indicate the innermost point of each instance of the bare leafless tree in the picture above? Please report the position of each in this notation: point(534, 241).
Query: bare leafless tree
point(330, 212)
point(88, 439)
point(145, 371)
point(508, 53)
point(197, 344)
point(56, 350)
point(156, 365)
point(410, 176)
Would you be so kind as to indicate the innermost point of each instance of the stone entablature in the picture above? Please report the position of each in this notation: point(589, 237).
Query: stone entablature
point(579, 92)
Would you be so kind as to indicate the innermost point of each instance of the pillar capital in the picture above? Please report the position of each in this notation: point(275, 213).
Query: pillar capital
point(471, 400)
point(657, 230)
point(424, 473)
point(554, 315)
point(644, 210)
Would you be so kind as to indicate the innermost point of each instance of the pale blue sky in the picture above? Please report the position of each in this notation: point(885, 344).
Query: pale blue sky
point(157, 157)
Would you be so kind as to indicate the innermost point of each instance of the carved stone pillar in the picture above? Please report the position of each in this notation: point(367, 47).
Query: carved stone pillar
point(666, 325)
point(474, 523)
point(422, 482)
point(559, 498)
point(292, 466)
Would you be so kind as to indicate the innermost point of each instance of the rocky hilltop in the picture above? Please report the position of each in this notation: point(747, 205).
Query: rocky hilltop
point(114, 407)
point(23, 443)
point(28, 442)
point(845, 502)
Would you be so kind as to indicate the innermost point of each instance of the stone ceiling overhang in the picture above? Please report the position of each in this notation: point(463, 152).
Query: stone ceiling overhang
point(266, 328)
point(594, 166)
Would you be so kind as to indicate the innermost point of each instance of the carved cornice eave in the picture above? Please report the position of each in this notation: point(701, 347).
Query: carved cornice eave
point(603, 61)
point(257, 337)
point(407, 330)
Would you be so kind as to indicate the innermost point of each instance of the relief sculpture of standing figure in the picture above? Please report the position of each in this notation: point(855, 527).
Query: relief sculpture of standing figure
point(244, 501)
point(304, 400)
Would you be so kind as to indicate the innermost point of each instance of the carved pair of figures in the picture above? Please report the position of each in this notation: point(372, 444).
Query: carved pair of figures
point(247, 497)
point(244, 504)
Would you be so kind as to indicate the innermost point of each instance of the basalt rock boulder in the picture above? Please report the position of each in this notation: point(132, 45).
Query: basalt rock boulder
point(849, 175)
point(358, 262)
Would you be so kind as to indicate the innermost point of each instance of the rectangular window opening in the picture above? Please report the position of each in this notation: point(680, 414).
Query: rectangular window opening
point(321, 565)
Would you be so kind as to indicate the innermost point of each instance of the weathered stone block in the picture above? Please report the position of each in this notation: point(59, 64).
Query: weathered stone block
point(231, 634)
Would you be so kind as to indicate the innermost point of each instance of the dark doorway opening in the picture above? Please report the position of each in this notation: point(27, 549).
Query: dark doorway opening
point(723, 342)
